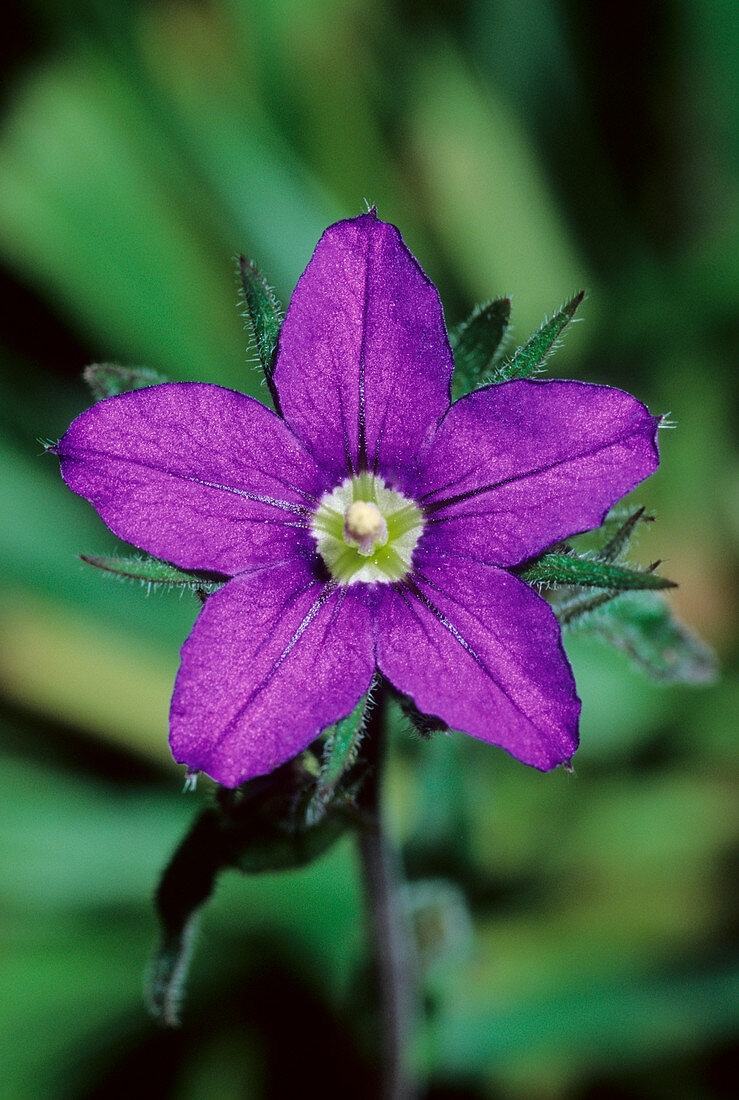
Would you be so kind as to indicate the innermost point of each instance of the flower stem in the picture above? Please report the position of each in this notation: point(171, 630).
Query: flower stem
point(388, 922)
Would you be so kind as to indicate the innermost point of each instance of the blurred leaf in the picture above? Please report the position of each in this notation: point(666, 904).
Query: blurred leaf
point(253, 829)
point(488, 195)
point(44, 528)
point(97, 214)
point(71, 842)
point(108, 379)
point(644, 627)
point(604, 1024)
point(87, 674)
point(201, 66)
point(476, 342)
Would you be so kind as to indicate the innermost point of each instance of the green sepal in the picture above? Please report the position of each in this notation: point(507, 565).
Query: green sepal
point(572, 604)
point(256, 828)
point(618, 542)
point(576, 571)
point(643, 626)
point(156, 573)
point(340, 750)
point(476, 342)
point(530, 358)
point(265, 317)
point(108, 379)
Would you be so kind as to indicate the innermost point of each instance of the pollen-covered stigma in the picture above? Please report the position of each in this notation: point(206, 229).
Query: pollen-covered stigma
point(366, 531)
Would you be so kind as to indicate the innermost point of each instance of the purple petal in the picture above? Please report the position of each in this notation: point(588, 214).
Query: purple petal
point(364, 367)
point(479, 649)
point(202, 476)
point(274, 658)
point(516, 467)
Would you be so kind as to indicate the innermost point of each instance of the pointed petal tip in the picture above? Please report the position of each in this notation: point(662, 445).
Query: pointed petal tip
point(370, 323)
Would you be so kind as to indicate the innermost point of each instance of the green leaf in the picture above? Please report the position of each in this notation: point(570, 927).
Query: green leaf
point(339, 755)
point(645, 628)
point(265, 316)
point(476, 342)
point(573, 570)
point(531, 357)
point(156, 573)
point(108, 379)
point(252, 829)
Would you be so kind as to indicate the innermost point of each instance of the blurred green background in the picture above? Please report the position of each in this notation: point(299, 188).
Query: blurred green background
point(575, 933)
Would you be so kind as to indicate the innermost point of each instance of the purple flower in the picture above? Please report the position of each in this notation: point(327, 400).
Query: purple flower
point(372, 526)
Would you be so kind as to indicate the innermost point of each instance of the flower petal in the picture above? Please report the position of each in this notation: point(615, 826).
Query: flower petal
point(479, 649)
point(364, 367)
point(516, 467)
point(274, 657)
point(202, 476)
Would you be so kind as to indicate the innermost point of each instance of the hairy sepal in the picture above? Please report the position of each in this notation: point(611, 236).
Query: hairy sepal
point(585, 572)
point(155, 573)
point(531, 357)
point(265, 318)
point(340, 751)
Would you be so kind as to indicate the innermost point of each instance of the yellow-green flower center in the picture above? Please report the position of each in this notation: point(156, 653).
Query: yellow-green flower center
point(365, 531)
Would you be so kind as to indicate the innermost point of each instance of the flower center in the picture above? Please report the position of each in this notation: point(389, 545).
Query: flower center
point(365, 525)
point(365, 531)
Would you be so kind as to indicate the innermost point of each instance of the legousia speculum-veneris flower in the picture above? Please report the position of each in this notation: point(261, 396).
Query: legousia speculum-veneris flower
point(369, 526)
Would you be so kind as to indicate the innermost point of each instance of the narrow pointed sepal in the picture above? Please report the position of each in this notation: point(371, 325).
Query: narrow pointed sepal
point(476, 343)
point(340, 751)
point(109, 379)
point(577, 571)
point(617, 544)
point(572, 604)
point(155, 573)
point(574, 579)
point(530, 358)
point(265, 317)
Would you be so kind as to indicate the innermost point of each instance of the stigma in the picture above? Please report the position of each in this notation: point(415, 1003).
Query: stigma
point(364, 524)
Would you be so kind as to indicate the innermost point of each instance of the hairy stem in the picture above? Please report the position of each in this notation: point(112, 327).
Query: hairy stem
point(388, 923)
